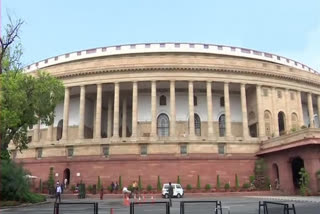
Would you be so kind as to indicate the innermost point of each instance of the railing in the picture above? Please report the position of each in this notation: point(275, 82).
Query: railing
point(269, 207)
point(63, 208)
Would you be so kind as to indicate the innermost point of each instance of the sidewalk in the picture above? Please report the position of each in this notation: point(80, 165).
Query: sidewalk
point(314, 199)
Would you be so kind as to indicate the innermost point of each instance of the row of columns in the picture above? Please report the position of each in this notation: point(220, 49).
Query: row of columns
point(153, 133)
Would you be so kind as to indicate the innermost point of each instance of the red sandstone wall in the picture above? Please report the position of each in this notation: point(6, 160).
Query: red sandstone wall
point(110, 170)
point(310, 155)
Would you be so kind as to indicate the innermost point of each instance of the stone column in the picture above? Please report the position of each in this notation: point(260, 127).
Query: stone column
point(66, 113)
point(134, 109)
point(227, 110)
point(124, 117)
point(98, 111)
point(262, 130)
point(172, 109)
point(116, 111)
point(209, 108)
point(310, 109)
point(50, 132)
point(288, 118)
point(82, 111)
point(274, 112)
point(301, 120)
point(191, 110)
point(36, 132)
point(153, 132)
point(245, 130)
point(109, 123)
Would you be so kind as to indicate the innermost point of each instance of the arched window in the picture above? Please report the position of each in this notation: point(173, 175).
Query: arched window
point(267, 123)
point(195, 101)
point(222, 125)
point(163, 100)
point(197, 125)
point(294, 119)
point(163, 125)
point(59, 129)
point(281, 122)
point(221, 101)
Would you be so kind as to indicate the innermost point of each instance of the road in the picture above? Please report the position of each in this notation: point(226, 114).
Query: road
point(236, 205)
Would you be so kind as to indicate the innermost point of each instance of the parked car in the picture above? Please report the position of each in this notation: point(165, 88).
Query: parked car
point(177, 190)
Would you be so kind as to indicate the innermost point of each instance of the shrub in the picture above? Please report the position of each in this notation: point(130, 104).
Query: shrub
point(14, 184)
point(207, 187)
point(73, 187)
point(218, 182)
point(109, 188)
point(198, 182)
point(189, 187)
point(149, 187)
point(237, 185)
point(40, 186)
point(130, 188)
point(293, 129)
point(140, 183)
point(304, 182)
point(178, 180)
point(246, 186)
point(252, 178)
point(159, 187)
point(303, 127)
point(318, 172)
point(90, 188)
point(227, 186)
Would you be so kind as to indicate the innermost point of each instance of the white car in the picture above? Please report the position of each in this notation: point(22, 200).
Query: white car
point(177, 190)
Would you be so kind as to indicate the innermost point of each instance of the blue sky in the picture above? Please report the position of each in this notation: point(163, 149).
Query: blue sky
point(289, 28)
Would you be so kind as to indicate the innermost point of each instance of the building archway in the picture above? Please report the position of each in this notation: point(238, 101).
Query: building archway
point(275, 176)
point(281, 122)
point(294, 121)
point(66, 175)
point(197, 125)
point(59, 130)
point(163, 125)
point(296, 164)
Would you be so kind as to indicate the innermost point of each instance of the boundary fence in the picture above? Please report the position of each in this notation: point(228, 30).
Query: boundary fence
point(216, 206)
point(270, 207)
point(58, 206)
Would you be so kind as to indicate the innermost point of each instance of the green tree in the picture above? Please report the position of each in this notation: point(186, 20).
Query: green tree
point(159, 187)
point(51, 187)
point(304, 182)
point(99, 184)
point(237, 184)
point(120, 182)
point(140, 183)
point(198, 182)
point(178, 180)
point(218, 182)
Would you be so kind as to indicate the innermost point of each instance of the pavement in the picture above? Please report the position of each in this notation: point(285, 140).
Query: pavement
point(234, 204)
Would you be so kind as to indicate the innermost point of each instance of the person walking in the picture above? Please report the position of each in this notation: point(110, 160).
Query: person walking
point(58, 192)
point(101, 193)
point(170, 191)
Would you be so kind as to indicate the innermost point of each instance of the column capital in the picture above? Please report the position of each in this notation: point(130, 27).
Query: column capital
point(243, 84)
point(209, 81)
point(226, 82)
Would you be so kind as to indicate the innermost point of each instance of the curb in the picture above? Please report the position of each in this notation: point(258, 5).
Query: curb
point(25, 205)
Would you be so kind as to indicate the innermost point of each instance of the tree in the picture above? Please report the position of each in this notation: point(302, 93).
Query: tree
point(51, 182)
point(140, 183)
point(198, 182)
point(99, 184)
point(237, 184)
point(159, 183)
point(120, 182)
point(218, 182)
point(25, 99)
point(178, 180)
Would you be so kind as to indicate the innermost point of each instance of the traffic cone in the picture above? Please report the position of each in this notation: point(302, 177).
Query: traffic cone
point(126, 201)
point(152, 199)
point(111, 210)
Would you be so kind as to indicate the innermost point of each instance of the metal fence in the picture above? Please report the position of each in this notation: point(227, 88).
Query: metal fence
point(70, 208)
point(200, 207)
point(269, 207)
point(150, 207)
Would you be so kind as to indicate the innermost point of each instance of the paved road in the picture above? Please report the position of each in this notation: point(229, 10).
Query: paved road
point(237, 205)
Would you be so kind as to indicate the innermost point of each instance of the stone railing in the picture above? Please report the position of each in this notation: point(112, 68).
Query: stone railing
point(168, 47)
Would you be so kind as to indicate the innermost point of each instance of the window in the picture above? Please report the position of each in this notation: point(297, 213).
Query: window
point(163, 125)
point(221, 148)
point(143, 150)
point(70, 151)
point(163, 100)
point(30, 126)
point(265, 92)
point(222, 125)
point(221, 101)
point(39, 152)
point(105, 150)
point(294, 119)
point(292, 95)
point(268, 122)
point(197, 125)
point(195, 101)
point(279, 94)
point(14, 154)
point(59, 129)
point(183, 149)
point(29, 139)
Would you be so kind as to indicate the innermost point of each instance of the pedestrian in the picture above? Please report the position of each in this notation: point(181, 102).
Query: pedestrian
point(116, 186)
point(112, 187)
point(58, 192)
point(65, 183)
point(101, 193)
point(170, 190)
point(62, 188)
